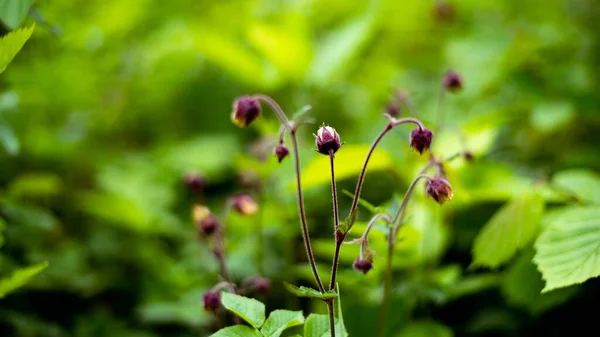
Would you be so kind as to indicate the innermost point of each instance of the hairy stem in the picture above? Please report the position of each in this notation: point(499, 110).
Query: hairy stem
point(336, 220)
point(331, 310)
point(301, 210)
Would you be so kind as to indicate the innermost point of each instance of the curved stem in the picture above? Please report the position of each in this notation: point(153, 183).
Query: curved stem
point(277, 109)
point(372, 222)
point(361, 177)
point(336, 218)
point(402, 210)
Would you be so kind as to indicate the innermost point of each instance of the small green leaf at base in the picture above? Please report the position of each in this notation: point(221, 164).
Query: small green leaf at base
point(309, 292)
point(249, 309)
point(237, 331)
point(510, 229)
point(279, 320)
point(19, 278)
point(568, 250)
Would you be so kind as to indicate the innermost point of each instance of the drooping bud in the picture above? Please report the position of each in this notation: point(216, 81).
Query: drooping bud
point(327, 139)
point(245, 110)
point(206, 222)
point(468, 155)
point(262, 284)
point(453, 81)
point(439, 189)
point(211, 300)
point(392, 109)
point(244, 204)
point(363, 265)
point(194, 182)
point(281, 151)
point(420, 139)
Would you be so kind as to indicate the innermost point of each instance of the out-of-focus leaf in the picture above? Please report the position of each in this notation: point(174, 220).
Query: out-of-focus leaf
point(425, 328)
point(279, 320)
point(249, 309)
point(2, 228)
point(551, 116)
point(582, 183)
point(362, 202)
point(426, 217)
point(12, 12)
point(348, 163)
point(568, 249)
point(523, 284)
point(237, 331)
point(186, 310)
point(510, 228)
point(472, 284)
point(9, 140)
point(303, 291)
point(19, 278)
point(35, 185)
point(11, 43)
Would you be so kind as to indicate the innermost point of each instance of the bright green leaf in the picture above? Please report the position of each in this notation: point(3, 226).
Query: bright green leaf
point(568, 250)
point(584, 184)
point(19, 278)
point(279, 320)
point(12, 12)
point(11, 43)
point(237, 331)
point(249, 309)
point(348, 163)
point(551, 116)
point(316, 326)
point(511, 228)
point(303, 291)
point(425, 328)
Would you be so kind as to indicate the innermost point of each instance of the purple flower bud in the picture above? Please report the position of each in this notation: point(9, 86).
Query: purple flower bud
point(444, 11)
point(363, 265)
point(327, 139)
point(392, 109)
point(262, 284)
point(245, 110)
point(244, 204)
point(453, 81)
point(439, 189)
point(468, 155)
point(206, 221)
point(420, 139)
point(281, 151)
point(194, 182)
point(212, 300)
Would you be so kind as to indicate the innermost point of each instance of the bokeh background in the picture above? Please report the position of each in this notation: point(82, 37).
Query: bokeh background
point(111, 102)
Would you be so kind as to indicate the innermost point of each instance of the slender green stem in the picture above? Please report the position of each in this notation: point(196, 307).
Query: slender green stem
point(301, 210)
point(336, 218)
point(402, 210)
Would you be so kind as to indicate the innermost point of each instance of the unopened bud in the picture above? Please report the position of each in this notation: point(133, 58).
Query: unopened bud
point(206, 222)
point(327, 139)
point(420, 139)
point(262, 285)
point(392, 109)
point(211, 300)
point(194, 182)
point(468, 155)
point(244, 204)
point(281, 151)
point(363, 265)
point(439, 189)
point(245, 110)
point(444, 11)
point(453, 81)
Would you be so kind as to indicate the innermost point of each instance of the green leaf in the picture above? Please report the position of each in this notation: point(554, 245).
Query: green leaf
point(9, 140)
point(582, 183)
point(348, 163)
point(550, 116)
point(347, 224)
point(249, 309)
point(11, 43)
point(12, 12)
point(511, 228)
point(367, 205)
point(425, 328)
point(19, 278)
point(568, 250)
point(303, 291)
point(279, 320)
point(237, 331)
point(339, 324)
point(316, 326)
point(523, 284)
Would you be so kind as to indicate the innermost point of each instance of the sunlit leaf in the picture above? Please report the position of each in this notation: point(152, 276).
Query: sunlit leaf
point(249, 309)
point(582, 183)
point(19, 278)
point(279, 320)
point(11, 43)
point(550, 116)
point(9, 140)
point(237, 331)
point(303, 291)
point(568, 249)
point(316, 326)
point(512, 227)
point(425, 328)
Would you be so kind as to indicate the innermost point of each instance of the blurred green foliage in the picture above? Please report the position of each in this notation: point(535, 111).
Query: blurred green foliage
point(110, 102)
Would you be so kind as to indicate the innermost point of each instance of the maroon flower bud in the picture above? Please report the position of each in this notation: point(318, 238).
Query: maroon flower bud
point(206, 221)
point(262, 284)
point(363, 265)
point(420, 139)
point(245, 110)
point(453, 81)
point(439, 189)
point(194, 182)
point(281, 151)
point(468, 155)
point(392, 109)
point(327, 139)
point(212, 301)
point(244, 204)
